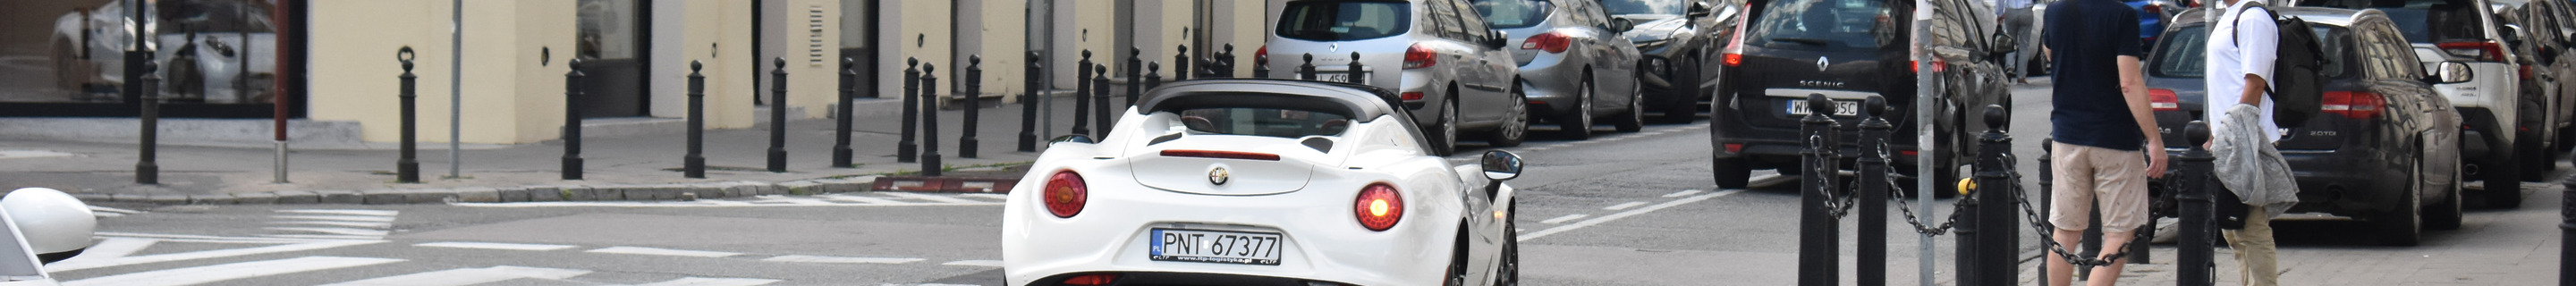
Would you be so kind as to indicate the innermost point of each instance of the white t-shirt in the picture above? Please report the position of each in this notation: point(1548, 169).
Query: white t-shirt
point(2230, 61)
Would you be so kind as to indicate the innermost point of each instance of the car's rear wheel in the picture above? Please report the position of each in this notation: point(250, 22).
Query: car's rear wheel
point(1634, 119)
point(2402, 224)
point(1510, 272)
point(1685, 93)
point(1577, 123)
point(2446, 213)
point(1448, 141)
point(2503, 182)
point(1457, 275)
point(1732, 173)
point(1515, 124)
point(2528, 144)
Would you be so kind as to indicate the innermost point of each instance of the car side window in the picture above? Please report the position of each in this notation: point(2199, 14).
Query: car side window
point(2374, 54)
point(2400, 55)
point(1474, 27)
point(1445, 17)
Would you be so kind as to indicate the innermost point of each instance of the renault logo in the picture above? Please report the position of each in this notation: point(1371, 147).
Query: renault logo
point(1218, 176)
point(1821, 63)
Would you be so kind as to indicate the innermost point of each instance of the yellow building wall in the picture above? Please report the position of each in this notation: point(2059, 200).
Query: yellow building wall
point(354, 71)
point(1005, 48)
point(921, 33)
point(809, 44)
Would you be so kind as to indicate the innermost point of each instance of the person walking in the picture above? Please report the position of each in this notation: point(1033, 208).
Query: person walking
point(2017, 22)
point(2100, 126)
point(2241, 52)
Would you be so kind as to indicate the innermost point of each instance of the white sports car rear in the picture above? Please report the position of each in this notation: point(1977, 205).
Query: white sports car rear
point(1260, 182)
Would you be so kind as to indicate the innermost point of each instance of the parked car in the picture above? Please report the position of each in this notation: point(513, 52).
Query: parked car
point(2386, 149)
point(2494, 110)
point(1437, 54)
point(1679, 40)
point(1575, 65)
point(2535, 32)
point(1850, 50)
point(215, 51)
point(1261, 182)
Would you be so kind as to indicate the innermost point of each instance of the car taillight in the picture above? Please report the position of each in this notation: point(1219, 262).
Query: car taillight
point(1412, 96)
point(1419, 57)
point(2526, 72)
point(1264, 52)
point(1552, 42)
point(2488, 50)
point(1378, 207)
point(2163, 100)
point(1092, 279)
point(2152, 8)
point(1065, 194)
point(1734, 59)
point(2355, 105)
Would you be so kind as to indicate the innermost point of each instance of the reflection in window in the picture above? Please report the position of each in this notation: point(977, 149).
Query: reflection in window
point(1271, 122)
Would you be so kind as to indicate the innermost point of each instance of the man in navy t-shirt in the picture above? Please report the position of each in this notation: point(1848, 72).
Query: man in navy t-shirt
point(2100, 125)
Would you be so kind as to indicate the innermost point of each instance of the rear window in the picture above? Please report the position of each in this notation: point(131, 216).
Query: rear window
point(1272, 122)
point(1822, 23)
point(2185, 55)
point(1344, 20)
point(2433, 22)
point(1510, 14)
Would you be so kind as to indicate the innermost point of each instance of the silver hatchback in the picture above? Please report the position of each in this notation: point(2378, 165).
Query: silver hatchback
point(1575, 64)
point(1436, 54)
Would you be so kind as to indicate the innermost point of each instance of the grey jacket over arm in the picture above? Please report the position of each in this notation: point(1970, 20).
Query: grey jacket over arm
point(2250, 166)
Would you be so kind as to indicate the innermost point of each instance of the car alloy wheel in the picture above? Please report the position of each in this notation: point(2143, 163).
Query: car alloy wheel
point(1510, 274)
point(1635, 118)
point(2445, 214)
point(1448, 141)
point(1515, 123)
point(1577, 124)
point(2403, 224)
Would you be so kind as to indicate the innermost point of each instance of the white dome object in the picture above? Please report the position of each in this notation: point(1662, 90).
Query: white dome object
point(52, 221)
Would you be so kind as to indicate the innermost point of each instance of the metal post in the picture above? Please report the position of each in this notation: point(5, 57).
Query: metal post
point(904, 152)
point(2193, 254)
point(1100, 85)
point(2566, 232)
point(1181, 64)
point(694, 165)
point(930, 120)
point(1997, 250)
point(1307, 71)
point(1029, 104)
point(2047, 191)
point(1225, 62)
point(1817, 257)
point(1082, 94)
point(974, 95)
point(572, 120)
point(1153, 79)
point(147, 170)
point(456, 90)
point(1135, 74)
point(841, 129)
point(778, 115)
point(1926, 89)
point(1261, 63)
point(1356, 72)
point(407, 168)
point(1873, 160)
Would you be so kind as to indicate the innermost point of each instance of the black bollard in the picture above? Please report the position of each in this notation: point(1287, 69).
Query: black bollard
point(904, 150)
point(1135, 74)
point(1994, 173)
point(1873, 160)
point(1307, 71)
point(572, 121)
point(1225, 62)
point(147, 169)
point(1358, 73)
point(2047, 191)
point(1082, 94)
point(1261, 63)
point(694, 165)
point(2567, 233)
point(1153, 79)
point(1100, 82)
point(1181, 64)
point(407, 169)
point(974, 94)
point(2197, 166)
point(930, 120)
point(1029, 104)
point(778, 116)
point(1818, 258)
point(841, 129)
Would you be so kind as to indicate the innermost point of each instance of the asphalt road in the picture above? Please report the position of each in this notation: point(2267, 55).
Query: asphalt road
point(1622, 209)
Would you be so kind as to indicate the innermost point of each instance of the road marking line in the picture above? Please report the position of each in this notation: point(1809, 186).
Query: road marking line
point(1684, 193)
point(335, 230)
point(496, 246)
point(863, 199)
point(660, 251)
point(327, 236)
point(111, 249)
point(113, 210)
point(701, 281)
point(943, 199)
point(337, 218)
point(988, 196)
point(467, 276)
point(1563, 218)
point(344, 212)
point(837, 259)
point(1626, 205)
point(983, 263)
point(1625, 214)
point(230, 271)
point(339, 223)
point(208, 238)
point(64, 266)
point(793, 201)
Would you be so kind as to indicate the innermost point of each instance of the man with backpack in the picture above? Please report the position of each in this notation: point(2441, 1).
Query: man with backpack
point(2100, 122)
point(2262, 74)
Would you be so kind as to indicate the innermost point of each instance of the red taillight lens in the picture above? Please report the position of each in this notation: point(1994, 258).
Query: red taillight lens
point(1420, 57)
point(2163, 100)
point(1908, 153)
point(2355, 105)
point(1065, 195)
point(1378, 207)
point(2490, 51)
point(1734, 59)
point(2155, 9)
point(1412, 96)
point(1092, 279)
point(1552, 42)
point(1264, 52)
point(2526, 72)
point(1221, 154)
point(1734, 147)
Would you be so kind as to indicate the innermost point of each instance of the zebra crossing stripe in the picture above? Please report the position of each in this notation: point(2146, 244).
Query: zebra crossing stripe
point(339, 223)
point(335, 230)
point(337, 218)
point(983, 263)
point(988, 196)
point(863, 199)
point(466, 276)
point(702, 281)
point(943, 199)
point(344, 212)
point(663, 252)
point(496, 246)
point(836, 259)
point(111, 249)
point(230, 271)
point(65, 266)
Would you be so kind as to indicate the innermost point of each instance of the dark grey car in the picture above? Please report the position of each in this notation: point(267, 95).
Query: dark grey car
point(1679, 40)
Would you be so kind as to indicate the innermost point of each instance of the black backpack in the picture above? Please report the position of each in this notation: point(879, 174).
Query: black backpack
point(2298, 87)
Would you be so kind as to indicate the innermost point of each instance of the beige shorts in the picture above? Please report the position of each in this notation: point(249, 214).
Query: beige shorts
point(2087, 175)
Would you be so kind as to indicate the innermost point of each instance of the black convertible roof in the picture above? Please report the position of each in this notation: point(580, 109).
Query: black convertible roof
point(1360, 102)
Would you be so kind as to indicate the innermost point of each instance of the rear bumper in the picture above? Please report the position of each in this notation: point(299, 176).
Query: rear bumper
point(1551, 83)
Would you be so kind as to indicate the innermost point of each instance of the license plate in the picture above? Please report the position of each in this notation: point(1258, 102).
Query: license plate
point(1230, 247)
point(1345, 77)
point(1841, 108)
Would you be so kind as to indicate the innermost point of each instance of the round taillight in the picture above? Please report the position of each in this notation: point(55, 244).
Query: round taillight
point(1065, 194)
point(1378, 207)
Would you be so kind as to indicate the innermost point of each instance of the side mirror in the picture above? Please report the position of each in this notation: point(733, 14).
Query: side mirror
point(1502, 165)
point(1495, 39)
point(1698, 9)
point(54, 225)
point(2452, 72)
point(1622, 25)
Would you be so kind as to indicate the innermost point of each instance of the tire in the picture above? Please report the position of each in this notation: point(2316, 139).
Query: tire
point(1515, 125)
point(2445, 214)
point(1447, 141)
point(2530, 169)
point(2402, 225)
point(1457, 274)
point(1509, 274)
point(1577, 123)
point(2503, 187)
point(1732, 173)
point(1634, 119)
point(1685, 94)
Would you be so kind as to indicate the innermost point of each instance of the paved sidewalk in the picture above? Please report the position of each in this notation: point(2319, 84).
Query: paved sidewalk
point(643, 166)
point(2516, 246)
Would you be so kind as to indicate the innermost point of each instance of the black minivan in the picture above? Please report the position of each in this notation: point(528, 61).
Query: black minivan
point(1849, 50)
